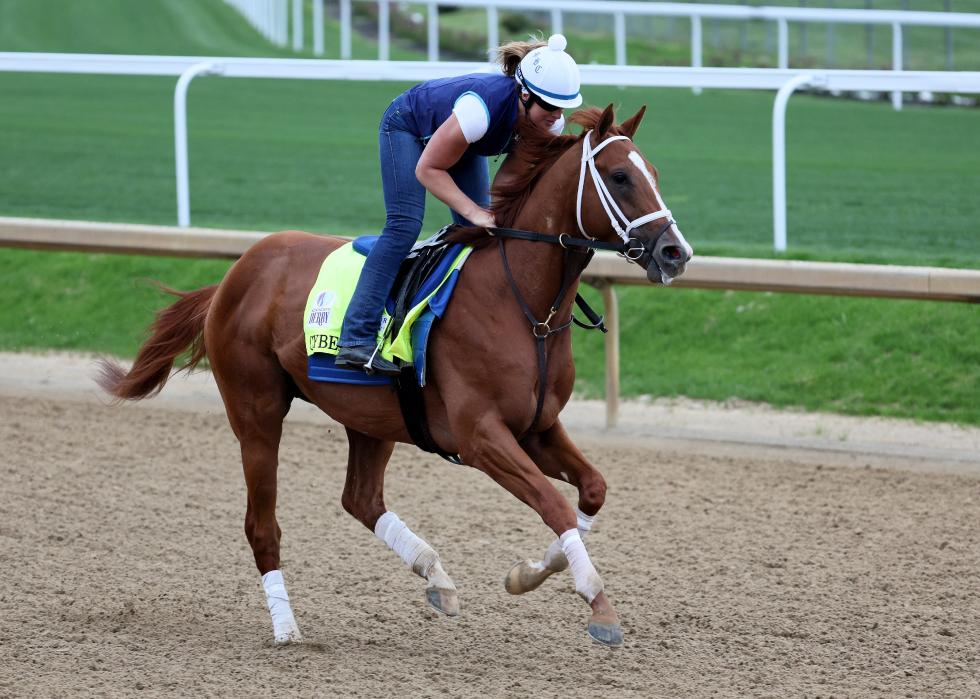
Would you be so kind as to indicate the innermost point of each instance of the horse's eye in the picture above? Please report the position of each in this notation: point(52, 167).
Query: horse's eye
point(620, 177)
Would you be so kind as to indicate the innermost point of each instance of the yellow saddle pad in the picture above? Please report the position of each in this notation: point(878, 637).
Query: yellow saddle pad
point(331, 295)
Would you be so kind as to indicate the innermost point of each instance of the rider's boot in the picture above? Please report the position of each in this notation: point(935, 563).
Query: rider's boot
point(367, 358)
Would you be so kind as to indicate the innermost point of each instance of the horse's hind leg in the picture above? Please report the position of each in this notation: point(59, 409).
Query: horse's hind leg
point(558, 457)
point(257, 399)
point(364, 499)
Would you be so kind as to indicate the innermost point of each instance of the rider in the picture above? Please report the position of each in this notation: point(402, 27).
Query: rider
point(437, 137)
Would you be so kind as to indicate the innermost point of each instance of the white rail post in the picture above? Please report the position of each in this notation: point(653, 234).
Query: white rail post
point(611, 319)
point(556, 21)
point(619, 24)
point(783, 43)
point(779, 159)
point(948, 36)
point(180, 136)
point(283, 23)
point(696, 47)
point(493, 30)
point(298, 25)
point(432, 22)
point(345, 29)
point(384, 25)
point(318, 27)
point(897, 62)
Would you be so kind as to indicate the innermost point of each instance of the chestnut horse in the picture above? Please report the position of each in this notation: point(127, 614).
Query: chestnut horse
point(481, 398)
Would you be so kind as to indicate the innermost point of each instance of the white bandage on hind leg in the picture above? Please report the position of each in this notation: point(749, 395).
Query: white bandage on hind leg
point(584, 522)
point(283, 622)
point(417, 554)
point(587, 580)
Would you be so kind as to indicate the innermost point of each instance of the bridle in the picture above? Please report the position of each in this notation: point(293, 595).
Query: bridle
point(631, 251)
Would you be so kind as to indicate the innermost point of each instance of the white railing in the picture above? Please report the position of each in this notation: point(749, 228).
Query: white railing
point(785, 82)
point(270, 17)
point(619, 10)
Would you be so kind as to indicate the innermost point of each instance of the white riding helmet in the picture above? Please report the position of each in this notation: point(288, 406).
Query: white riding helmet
point(551, 74)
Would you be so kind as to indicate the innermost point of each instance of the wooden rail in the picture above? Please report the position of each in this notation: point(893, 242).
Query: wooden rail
point(605, 272)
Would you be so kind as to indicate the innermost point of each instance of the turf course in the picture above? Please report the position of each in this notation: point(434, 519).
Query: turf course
point(865, 184)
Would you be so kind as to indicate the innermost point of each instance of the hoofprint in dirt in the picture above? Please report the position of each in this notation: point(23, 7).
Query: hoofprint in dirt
point(737, 569)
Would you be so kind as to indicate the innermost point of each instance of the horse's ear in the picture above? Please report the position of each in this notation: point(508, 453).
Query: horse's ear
point(629, 127)
point(605, 121)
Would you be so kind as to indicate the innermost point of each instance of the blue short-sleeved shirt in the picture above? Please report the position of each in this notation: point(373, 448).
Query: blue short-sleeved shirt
point(429, 104)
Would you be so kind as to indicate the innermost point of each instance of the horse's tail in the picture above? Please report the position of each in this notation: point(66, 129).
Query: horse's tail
point(176, 328)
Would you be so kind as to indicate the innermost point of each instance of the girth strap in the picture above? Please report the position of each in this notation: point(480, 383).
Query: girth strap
point(412, 403)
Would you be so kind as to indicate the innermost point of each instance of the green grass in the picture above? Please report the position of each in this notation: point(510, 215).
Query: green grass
point(865, 184)
point(158, 27)
point(92, 303)
point(850, 355)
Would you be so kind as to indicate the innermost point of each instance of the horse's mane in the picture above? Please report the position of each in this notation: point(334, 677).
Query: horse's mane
point(530, 158)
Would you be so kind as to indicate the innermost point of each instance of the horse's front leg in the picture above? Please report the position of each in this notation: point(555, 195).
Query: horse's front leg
point(558, 457)
point(492, 448)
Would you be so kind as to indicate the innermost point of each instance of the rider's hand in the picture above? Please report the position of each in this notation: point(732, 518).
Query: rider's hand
point(481, 217)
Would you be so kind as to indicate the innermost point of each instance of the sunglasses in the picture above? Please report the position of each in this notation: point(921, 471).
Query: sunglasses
point(545, 106)
point(534, 99)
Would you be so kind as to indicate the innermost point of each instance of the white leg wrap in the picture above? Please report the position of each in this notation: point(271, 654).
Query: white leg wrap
point(587, 580)
point(417, 554)
point(554, 557)
point(283, 622)
point(584, 522)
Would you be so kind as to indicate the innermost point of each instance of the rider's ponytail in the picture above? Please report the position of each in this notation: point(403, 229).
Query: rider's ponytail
point(510, 54)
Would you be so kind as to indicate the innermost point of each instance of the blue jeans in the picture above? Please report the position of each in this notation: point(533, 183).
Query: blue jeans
point(404, 196)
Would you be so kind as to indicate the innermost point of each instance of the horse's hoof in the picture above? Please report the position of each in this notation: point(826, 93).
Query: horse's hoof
point(524, 577)
point(286, 631)
point(289, 635)
point(607, 634)
point(443, 600)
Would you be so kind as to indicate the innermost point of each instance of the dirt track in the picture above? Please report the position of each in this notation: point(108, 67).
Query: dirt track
point(788, 561)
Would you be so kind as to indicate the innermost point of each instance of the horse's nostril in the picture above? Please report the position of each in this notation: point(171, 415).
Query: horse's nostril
point(671, 253)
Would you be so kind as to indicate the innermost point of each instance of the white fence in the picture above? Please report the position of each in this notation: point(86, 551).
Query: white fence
point(273, 13)
point(785, 82)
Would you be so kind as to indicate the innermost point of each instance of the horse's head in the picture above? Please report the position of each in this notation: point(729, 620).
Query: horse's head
point(618, 196)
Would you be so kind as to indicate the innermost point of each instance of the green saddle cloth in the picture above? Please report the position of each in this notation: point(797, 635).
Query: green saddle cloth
point(331, 295)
